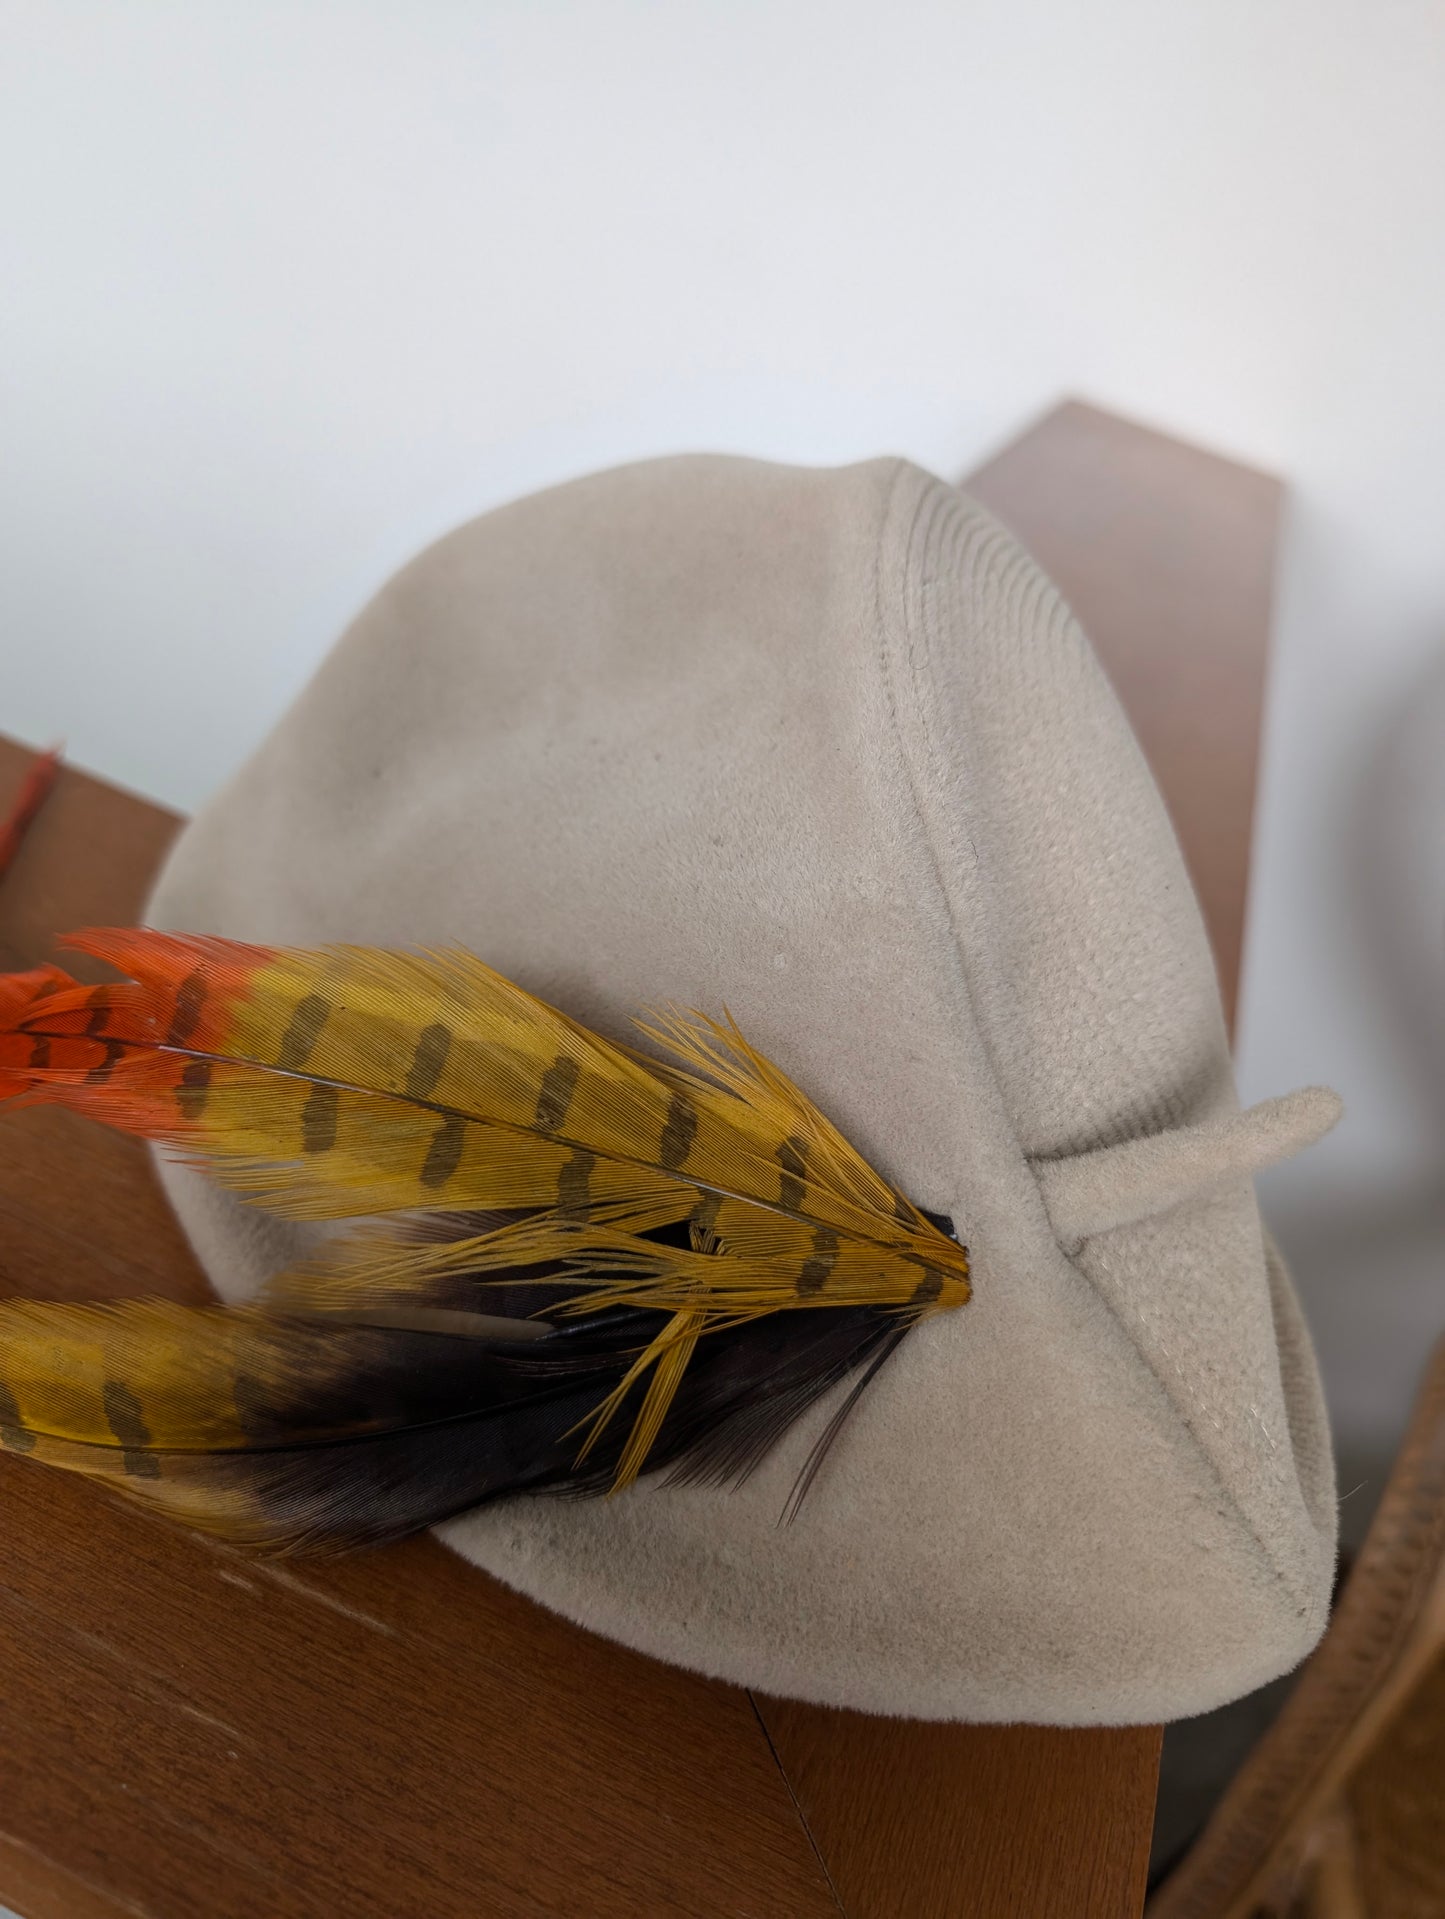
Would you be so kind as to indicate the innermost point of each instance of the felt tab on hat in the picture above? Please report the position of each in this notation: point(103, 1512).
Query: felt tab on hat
point(1088, 1193)
point(827, 749)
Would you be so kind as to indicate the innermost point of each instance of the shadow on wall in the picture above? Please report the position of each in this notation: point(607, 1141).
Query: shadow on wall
point(1376, 1260)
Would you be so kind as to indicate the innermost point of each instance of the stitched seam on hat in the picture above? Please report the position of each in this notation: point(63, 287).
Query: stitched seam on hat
point(984, 547)
point(1028, 589)
point(923, 835)
point(1164, 1114)
point(934, 501)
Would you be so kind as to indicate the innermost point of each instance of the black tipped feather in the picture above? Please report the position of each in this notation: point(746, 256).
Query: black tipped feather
point(350, 1434)
point(584, 1263)
point(740, 1394)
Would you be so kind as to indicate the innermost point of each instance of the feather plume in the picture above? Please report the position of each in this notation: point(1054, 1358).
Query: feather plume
point(572, 1261)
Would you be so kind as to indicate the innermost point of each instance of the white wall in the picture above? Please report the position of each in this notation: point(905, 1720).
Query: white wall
point(289, 288)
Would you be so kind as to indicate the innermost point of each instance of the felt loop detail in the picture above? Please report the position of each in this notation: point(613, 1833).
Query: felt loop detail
point(1117, 1185)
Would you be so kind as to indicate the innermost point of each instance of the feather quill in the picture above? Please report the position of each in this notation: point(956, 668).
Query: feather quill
point(574, 1262)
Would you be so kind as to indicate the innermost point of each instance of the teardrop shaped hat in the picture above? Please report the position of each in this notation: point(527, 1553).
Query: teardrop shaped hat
point(826, 748)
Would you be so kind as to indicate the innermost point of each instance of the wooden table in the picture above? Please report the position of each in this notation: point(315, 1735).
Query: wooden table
point(191, 1734)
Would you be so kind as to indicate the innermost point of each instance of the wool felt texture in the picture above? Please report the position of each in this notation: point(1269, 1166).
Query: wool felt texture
point(828, 749)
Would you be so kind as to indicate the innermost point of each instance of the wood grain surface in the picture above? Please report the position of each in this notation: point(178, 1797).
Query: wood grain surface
point(191, 1734)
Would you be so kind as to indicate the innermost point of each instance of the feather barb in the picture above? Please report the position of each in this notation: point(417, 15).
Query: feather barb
point(512, 1163)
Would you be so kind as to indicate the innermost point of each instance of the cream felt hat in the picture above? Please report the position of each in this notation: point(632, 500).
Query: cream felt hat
point(827, 749)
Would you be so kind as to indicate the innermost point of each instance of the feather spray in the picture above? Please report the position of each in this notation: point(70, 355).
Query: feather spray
point(567, 1261)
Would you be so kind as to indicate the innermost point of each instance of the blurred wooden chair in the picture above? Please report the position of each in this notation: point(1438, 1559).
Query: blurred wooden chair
point(1339, 1812)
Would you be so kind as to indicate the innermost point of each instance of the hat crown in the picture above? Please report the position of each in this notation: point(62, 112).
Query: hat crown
point(825, 748)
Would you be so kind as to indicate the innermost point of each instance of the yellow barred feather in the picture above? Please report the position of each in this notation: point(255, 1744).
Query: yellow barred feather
point(407, 1088)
